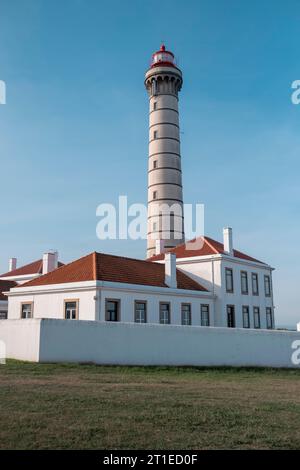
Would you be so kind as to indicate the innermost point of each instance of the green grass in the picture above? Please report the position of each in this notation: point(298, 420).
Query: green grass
point(65, 406)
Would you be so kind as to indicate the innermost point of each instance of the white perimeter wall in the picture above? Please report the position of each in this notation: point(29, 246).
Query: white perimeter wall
point(139, 344)
point(21, 339)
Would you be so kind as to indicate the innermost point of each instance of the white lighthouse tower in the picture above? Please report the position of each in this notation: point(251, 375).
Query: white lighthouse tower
point(163, 82)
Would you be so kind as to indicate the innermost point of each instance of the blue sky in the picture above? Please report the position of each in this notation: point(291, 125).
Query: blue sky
point(73, 133)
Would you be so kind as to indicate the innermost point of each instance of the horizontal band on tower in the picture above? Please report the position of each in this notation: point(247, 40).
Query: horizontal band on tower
point(165, 153)
point(165, 168)
point(166, 199)
point(167, 230)
point(161, 94)
point(163, 215)
point(162, 184)
point(164, 124)
point(164, 138)
point(164, 109)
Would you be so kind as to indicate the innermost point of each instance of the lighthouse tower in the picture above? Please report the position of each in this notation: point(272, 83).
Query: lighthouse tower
point(163, 82)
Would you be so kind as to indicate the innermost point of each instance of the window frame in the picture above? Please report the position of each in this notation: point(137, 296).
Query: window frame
point(155, 134)
point(154, 195)
point(201, 315)
point(267, 276)
point(186, 304)
point(234, 319)
point(247, 312)
point(77, 308)
point(3, 314)
point(31, 303)
point(229, 270)
point(154, 164)
point(154, 105)
point(255, 276)
point(256, 309)
point(269, 311)
point(118, 301)
point(145, 311)
point(160, 312)
point(244, 292)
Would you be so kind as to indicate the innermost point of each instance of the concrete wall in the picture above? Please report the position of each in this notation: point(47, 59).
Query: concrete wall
point(140, 344)
point(21, 338)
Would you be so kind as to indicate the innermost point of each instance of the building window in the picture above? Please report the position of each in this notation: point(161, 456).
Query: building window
point(186, 314)
point(26, 310)
point(155, 164)
point(112, 310)
point(246, 317)
point(269, 318)
point(230, 316)
point(155, 134)
point(256, 316)
point(164, 313)
point(154, 194)
point(204, 315)
point(3, 315)
point(71, 309)
point(267, 286)
point(255, 290)
point(229, 279)
point(155, 105)
point(244, 282)
point(140, 312)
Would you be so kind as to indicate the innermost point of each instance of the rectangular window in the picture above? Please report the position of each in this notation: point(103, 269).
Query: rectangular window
point(267, 286)
point(244, 282)
point(154, 194)
point(269, 318)
point(230, 316)
point(186, 314)
point(26, 310)
point(204, 315)
point(246, 317)
point(255, 290)
point(155, 134)
point(3, 315)
point(71, 309)
point(155, 164)
point(155, 105)
point(164, 313)
point(140, 312)
point(229, 279)
point(112, 310)
point(256, 316)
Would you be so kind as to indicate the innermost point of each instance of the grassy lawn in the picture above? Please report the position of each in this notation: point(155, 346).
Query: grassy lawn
point(47, 406)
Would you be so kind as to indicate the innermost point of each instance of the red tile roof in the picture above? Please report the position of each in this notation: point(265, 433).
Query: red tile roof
point(208, 246)
point(36, 267)
point(4, 287)
point(103, 267)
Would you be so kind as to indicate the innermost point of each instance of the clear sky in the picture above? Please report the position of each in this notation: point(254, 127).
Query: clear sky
point(73, 133)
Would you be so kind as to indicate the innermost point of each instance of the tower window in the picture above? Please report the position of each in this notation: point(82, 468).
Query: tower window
point(155, 164)
point(155, 105)
point(154, 194)
point(155, 133)
point(154, 227)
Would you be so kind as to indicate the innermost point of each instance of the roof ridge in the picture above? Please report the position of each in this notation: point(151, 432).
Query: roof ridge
point(210, 245)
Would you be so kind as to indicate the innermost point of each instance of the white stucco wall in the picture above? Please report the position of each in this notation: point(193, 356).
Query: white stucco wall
point(21, 338)
point(147, 344)
point(210, 273)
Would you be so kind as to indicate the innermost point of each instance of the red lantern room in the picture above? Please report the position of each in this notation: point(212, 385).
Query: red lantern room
point(163, 57)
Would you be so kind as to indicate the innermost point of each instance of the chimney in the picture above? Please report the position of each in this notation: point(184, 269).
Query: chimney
point(159, 247)
point(228, 243)
point(170, 270)
point(12, 265)
point(50, 261)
